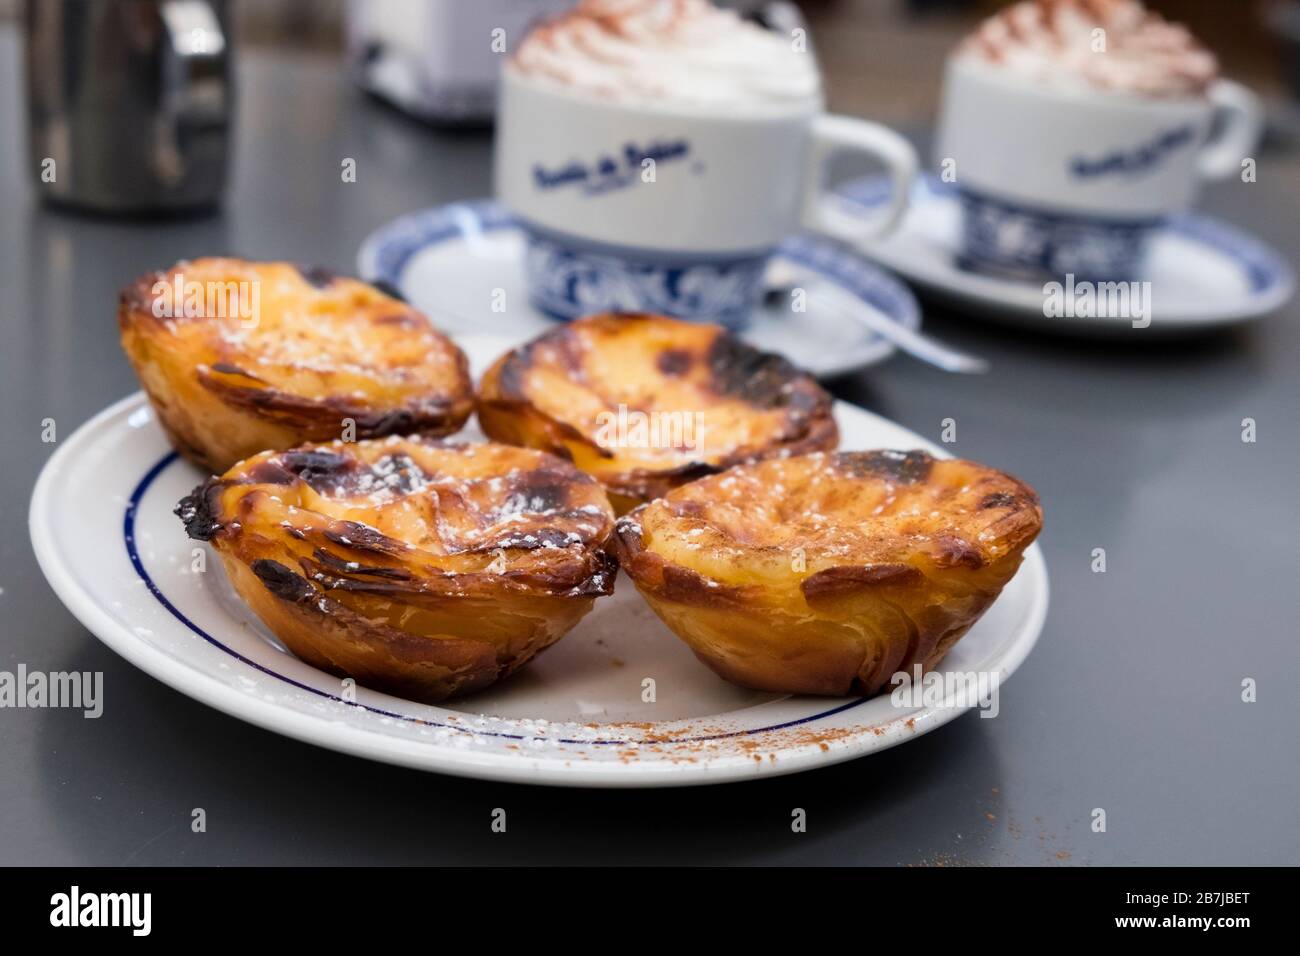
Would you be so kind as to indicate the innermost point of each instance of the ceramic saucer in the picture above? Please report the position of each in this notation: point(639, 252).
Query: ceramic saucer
point(1203, 272)
point(463, 265)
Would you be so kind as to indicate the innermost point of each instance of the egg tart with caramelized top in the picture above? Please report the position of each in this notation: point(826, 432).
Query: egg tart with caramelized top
point(417, 567)
point(238, 357)
point(647, 403)
point(829, 573)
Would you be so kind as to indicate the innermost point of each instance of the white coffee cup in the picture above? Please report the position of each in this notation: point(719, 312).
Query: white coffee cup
point(1075, 180)
point(687, 234)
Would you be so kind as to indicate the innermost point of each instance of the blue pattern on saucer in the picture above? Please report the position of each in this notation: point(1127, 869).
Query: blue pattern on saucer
point(398, 242)
point(1265, 269)
point(1017, 240)
point(567, 281)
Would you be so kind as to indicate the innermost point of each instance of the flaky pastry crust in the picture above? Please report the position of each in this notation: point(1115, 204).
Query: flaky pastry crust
point(418, 567)
point(239, 357)
point(829, 573)
point(647, 403)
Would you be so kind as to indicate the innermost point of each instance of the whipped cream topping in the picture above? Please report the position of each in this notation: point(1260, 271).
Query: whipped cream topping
point(675, 52)
point(1054, 42)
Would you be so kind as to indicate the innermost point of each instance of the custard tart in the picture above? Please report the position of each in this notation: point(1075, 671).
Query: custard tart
point(648, 403)
point(239, 357)
point(829, 573)
point(417, 567)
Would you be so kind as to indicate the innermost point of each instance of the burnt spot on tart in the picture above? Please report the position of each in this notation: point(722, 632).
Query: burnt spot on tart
point(315, 464)
point(557, 347)
point(138, 297)
point(999, 499)
point(227, 368)
point(199, 510)
point(282, 582)
point(674, 361)
point(952, 551)
point(701, 398)
point(741, 371)
point(543, 490)
point(356, 568)
point(898, 467)
point(511, 369)
point(361, 537)
point(839, 580)
point(318, 276)
point(388, 289)
point(404, 319)
point(238, 357)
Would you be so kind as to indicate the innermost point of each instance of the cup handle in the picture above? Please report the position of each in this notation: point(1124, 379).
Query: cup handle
point(834, 134)
point(1243, 124)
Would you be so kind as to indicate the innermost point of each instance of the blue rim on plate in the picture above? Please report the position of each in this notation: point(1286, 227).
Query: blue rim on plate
point(386, 254)
point(1269, 274)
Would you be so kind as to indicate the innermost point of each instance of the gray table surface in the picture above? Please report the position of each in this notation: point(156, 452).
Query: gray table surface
point(1131, 702)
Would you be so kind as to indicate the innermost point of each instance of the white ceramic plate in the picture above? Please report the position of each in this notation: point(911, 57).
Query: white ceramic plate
point(105, 536)
point(449, 261)
point(1203, 272)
